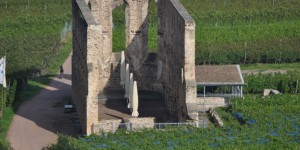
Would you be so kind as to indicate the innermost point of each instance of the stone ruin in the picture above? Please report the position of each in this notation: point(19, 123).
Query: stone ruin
point(96, 69)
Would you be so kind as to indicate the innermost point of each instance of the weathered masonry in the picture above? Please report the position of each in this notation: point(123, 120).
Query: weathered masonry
point(96, 69)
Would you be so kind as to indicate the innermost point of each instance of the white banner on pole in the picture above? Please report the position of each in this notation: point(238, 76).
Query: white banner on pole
point(2, 71)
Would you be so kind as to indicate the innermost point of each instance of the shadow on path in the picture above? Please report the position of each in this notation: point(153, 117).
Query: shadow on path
point(38, 120)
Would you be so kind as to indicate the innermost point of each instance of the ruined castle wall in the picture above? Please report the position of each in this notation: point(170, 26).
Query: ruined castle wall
point(85, 67)
point(147, 79)
point(102, 12)
point(176, 64)
point(110, 77)
point(109, 62)
point(136, 32)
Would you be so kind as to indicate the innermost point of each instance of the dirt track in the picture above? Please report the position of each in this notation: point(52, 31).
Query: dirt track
point(38, 120)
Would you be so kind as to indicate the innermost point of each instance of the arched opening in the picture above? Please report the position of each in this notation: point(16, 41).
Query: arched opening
point(152, 26)
point(119, 35)
point(120, 23)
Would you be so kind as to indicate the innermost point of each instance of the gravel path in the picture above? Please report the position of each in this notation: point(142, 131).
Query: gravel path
point(38, 120)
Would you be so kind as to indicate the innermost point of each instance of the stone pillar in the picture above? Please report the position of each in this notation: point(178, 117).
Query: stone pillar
point(130, 91)
point(123, 68)
point(94, 42)
point(189, 66)
point(136, 32)
point(135, 101)
point(102, 11)
point(127, 81)
point(107, 24)
point(189, 57)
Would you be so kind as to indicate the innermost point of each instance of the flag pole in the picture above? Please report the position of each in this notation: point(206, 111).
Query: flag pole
point(2, 108)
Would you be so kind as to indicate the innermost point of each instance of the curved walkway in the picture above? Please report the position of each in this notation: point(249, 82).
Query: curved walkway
point(38, 120)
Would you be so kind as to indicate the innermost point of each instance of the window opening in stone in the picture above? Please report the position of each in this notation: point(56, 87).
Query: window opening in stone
point(119, 26)
point(152, 26)
point(90, 6)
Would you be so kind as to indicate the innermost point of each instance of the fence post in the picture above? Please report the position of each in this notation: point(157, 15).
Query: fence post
point(245, 56)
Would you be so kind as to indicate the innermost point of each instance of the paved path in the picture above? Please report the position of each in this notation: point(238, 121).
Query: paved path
point(38, 120)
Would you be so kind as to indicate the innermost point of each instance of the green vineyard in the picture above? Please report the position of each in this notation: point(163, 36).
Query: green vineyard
point(250, 123)
point(31, 32)
point(238, 32)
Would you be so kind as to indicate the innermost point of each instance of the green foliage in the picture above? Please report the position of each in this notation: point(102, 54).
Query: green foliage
point(119, 36)
point(11, 93)
point(5, 121)
point(33, 87)
point(30, 33)
point(119, 39)
point(276, 127)
point(7, 96)
point(285, 83)
point(68, 143)
point(245, 31)
point(262, 67)
point(4, 146)
point(31, 38)
point(233, 32)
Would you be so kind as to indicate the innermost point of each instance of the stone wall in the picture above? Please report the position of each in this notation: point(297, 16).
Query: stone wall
point(110, 81)
point(102, 12)
point(204, 103)
point(136, 32)
point(140, 123)
point(176, 51)
point(131, 124)
point(147, 76)
point(106, 126)
point(85, 70)
point(109, 62)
